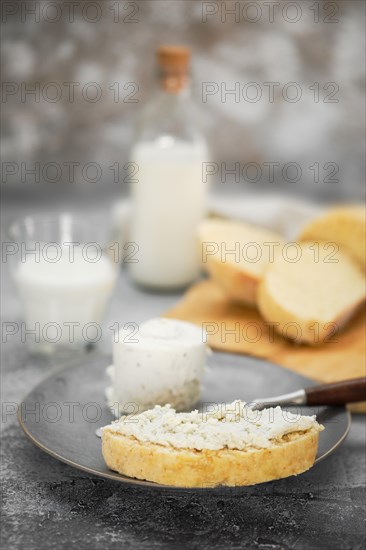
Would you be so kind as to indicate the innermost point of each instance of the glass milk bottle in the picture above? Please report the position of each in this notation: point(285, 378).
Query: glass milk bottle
point(168, 195)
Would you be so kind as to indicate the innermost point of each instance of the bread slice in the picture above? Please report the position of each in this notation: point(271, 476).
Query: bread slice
point(236, 254)
point(311, 299)
point(345, 226)
point(153, 449)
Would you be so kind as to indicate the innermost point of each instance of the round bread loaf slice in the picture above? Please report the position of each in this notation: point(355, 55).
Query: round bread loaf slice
point(236, 254)
point(293, 455)
point(345, 226)
point(189, 450)
point(311, 299)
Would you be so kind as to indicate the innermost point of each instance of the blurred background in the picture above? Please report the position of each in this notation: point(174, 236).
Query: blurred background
point(75, 75)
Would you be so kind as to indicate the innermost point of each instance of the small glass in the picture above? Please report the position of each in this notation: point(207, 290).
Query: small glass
point(65, 272)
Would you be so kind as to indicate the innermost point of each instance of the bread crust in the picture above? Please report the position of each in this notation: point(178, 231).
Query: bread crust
point(239, 279)
point(293, 455)
point(345, 226)
point(275, 312)
point(239, 285)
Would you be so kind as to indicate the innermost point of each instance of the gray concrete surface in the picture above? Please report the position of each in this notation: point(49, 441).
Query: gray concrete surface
point(48, 505)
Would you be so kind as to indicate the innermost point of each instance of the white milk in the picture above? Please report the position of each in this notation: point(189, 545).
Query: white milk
point(169, 202)
point(57, 294)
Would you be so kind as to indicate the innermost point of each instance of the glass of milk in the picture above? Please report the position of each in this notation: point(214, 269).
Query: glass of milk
point(64, 277)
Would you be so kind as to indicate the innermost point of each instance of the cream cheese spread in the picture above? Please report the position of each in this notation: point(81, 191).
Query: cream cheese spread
point(218, 426)
point(162, 362)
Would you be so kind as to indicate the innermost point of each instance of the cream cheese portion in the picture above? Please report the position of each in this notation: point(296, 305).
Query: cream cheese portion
point(163, 362)
point(231, 426)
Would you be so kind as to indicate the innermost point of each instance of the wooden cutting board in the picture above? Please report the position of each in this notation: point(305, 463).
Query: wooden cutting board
point(239, 329)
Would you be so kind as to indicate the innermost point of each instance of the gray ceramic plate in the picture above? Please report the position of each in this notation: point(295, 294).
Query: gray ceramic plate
point(63, 412)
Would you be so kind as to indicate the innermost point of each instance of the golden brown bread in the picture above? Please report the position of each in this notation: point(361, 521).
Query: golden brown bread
point(235, 254)
point(343, 225)
point(294, 454)
point(313, 298)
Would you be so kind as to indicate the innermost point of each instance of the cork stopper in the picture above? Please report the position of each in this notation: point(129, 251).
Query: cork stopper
point(173, 63)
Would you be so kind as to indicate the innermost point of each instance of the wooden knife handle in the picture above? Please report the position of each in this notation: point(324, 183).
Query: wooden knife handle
point(338, 393)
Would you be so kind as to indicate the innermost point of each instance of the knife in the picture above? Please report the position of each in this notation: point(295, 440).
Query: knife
point(336, 393)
